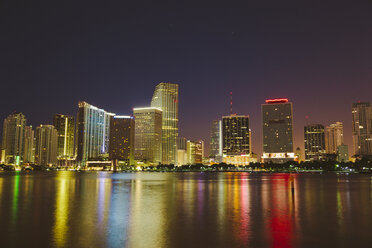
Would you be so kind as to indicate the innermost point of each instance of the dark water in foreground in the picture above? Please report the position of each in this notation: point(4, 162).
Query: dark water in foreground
point(88, 209)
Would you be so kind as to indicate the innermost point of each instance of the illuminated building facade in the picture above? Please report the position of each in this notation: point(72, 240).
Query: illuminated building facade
point(166, 98)
point(334, 137)
point(121, 145)
point(277, 131)
point(65, 126)
point(148, 135)
point(93, 131)
point(314, 138)
point(13, 139)
point(236, 140)
point(29, 145)
point(215, 144)
point(195, 152)
point(46, 145)
point(181, 151)
point(362, 128)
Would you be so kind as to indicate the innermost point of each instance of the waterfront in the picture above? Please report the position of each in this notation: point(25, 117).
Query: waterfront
point(144, 209)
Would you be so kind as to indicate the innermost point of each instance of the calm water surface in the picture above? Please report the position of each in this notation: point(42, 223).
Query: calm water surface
point(88, 209)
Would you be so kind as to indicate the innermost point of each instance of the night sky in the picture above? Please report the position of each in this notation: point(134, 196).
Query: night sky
point(113, 53)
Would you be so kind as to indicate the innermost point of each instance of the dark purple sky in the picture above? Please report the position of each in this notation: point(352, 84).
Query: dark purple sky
point(113, 53)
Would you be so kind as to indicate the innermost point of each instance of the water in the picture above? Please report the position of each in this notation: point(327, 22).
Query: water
point(88, 209)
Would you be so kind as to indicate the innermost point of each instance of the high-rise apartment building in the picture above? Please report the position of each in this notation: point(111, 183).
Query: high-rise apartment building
point(314, 138)
point(46, 145)
point(148, 135)
point(93, 131)
point(13, 139)
point(362, 128)
point(121, 145)
point(166, 98)
point(277, 130)
point(215, 144)
point(334, 137)
point(29, 145)
point(65, 126)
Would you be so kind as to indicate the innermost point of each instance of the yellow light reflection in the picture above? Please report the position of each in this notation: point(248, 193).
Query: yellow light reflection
point(61, 213)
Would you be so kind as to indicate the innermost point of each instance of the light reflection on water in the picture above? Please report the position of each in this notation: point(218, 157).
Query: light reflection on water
point(70, 209)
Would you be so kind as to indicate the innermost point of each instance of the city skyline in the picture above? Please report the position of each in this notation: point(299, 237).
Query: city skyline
point(256, 50)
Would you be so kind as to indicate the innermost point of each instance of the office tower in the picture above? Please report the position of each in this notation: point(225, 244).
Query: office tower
point(13, 137)
point(236, 135)
point(334, 137)
point(181, 151)
point(29, 145)
point(215, 145)
point(46, 145)
point(236, 140)
point(148, 138)
point(121, 145)
point(362, 128)
point(277, 130)
point(93, 131)
point(343, 153)
point(195, 152)
point(65, 126)
point(166, 98)
point(314, 138)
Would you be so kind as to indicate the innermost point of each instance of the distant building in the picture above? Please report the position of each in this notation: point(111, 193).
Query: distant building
point(29, 145)
point(93, 131)
point(166, 98)
point(342, 153)
point(195, 152)
point(65, 126)
point(362, 128)
point(334, 137)
point(277, 130)
point(215, 144)
point(148, 135)
point(121, 145)
point(314, 138)
point(181, 151)
point(46, 145)
point(13, 139)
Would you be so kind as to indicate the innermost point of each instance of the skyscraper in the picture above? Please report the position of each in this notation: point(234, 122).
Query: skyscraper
point(29, 145)
point(121, 145)
point(277, 130)
point(148, 138)
point(215, 144)
point(93, 131)
point(362, 128)
point(46, 145)
point(166, 98)
point(342, 153)
point(13, 139)
point(314, 138)
point(65, 126)
point(334, 137)
point(181, 150)
point(236, 138)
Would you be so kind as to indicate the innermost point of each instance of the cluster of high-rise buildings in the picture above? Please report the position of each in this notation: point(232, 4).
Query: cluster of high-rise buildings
point(98, 138)
point(231, 137)
point(149, 136)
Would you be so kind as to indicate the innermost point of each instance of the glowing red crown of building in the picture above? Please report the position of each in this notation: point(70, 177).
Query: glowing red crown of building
point(277, 100)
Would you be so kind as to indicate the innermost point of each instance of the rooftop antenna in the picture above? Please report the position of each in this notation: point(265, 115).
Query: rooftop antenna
point(231, 103)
